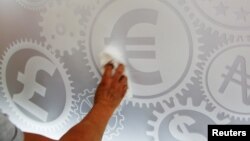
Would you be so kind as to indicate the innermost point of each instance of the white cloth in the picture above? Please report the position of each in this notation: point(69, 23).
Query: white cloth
point(115, 55)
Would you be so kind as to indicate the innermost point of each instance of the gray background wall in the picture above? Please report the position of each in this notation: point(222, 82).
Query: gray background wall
point(189, 62)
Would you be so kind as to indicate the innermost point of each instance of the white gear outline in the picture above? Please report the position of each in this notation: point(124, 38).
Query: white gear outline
point(61, 26)
point(202, 14)
point(204, 65)
point(155, 124)
point(199, 20)
point(35, 6)
point(37, 127)
point(89, 4)
point(161, 99)
point(109, 132)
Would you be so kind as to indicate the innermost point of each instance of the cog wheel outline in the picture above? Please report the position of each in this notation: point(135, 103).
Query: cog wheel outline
point(215, 35)
point(203, 65)
point(208, 19)
point(88, 4)
point(16, 115)
point(86, 97)
point(75, 71)
point(199, 20)
point(61, 26)
point(167, 110)
point(160, 99)
point(32, 6)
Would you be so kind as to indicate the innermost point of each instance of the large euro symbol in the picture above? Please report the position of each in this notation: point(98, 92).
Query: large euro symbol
point(119, 37)
point(31, 87)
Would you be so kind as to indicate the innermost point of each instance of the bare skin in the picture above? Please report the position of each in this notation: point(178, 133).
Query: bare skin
point(109, 95)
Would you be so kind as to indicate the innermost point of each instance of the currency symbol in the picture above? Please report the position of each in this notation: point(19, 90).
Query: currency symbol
point(239, 68)
point(31, 87)
point(178, 129)
point(119, 36)
point(85, 107)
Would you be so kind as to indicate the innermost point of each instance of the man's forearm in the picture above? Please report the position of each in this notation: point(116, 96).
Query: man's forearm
point(91, 128)
point(94, 124)
point(35, 137)
point(109, 95)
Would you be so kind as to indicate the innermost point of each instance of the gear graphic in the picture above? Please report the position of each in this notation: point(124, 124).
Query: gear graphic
point(210, 40)
point(89, 4)
point(54, 128)
point(178, 115)
point(193, 90)
point(61, 26)
point(221, 15)
point(224, 13)
point(161, 96)
point(35, 5)
point(79, 74)
point(226, 72)
point(83, 105)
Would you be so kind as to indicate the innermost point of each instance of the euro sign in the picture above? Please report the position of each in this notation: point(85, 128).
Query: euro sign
point(119, 38)
point(178, 129)
point(31, 87)
point(238, 68)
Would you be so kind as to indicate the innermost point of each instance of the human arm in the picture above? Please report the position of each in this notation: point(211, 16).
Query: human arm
point(109, 94)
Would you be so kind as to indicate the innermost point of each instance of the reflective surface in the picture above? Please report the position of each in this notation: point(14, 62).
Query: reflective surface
point(188, 60)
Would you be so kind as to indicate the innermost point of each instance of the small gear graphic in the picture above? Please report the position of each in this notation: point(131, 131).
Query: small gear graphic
point(180, 120)
point(61, 26)
point(89, 4)
point(93, 43)
point(32, 4)
point(225, 13)
point(55, 126)
point(222, 15)
point(85, 103)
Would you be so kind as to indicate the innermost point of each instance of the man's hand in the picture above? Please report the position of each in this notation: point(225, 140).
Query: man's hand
point(112, 87)
point(109, 95)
